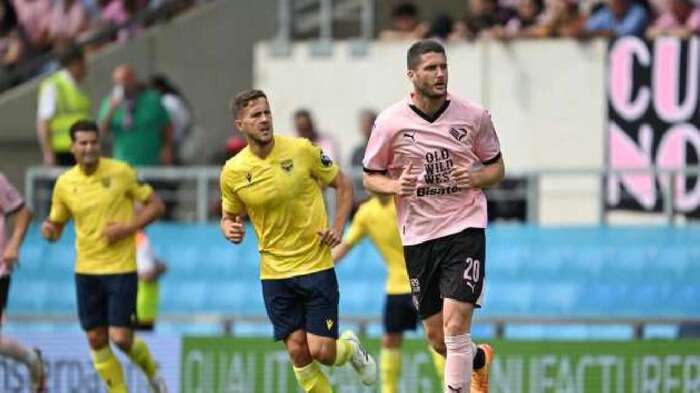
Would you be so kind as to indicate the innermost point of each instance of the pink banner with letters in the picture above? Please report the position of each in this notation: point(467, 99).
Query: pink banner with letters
point(653, 120)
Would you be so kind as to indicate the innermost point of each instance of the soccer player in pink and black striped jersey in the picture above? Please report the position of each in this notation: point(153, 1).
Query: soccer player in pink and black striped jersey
point(436, 152)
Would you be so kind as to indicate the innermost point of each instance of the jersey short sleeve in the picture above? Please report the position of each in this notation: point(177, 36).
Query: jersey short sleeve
point(10, 199)
point(230, 202)
point(60, 213)
point(321, 166)
point(378, 154)
point(487, 147)
point(357, 230)
point(135, 189)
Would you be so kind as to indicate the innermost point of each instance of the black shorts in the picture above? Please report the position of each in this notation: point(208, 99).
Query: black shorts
point(308, 302)
point(106, 300)
point(451, 267)
point(399, 314)
point(4, 291)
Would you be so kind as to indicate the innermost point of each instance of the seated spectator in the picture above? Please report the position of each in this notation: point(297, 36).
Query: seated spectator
point(405, 25)
point(617, 18)
point(11, 43)
point(33, 16)
point(484, 17)
point(305, 128)
point(180, 114)
point(68, 19)
point(117, 12)
point(441, 28)
point(560, 18)
point(526, 23)
point(681, 19)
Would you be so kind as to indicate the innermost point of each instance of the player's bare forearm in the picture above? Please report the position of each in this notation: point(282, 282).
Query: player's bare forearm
point(22, 219)
point(343, 200)
point(380, 183)
point(340, 251)
point(489, 175)
point(153, 208)
point(42, 132)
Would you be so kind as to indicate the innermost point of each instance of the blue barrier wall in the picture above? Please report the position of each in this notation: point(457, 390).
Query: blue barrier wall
point(531, 271)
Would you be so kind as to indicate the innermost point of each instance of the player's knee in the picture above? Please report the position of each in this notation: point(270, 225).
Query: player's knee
point(298, 353)
point(454, 326)
point(97, 339)
point(123, 343)
point(436, 340)
point(324, 354)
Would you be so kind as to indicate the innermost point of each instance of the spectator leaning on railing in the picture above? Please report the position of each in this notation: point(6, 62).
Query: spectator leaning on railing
point(681, 18)
point(617, 18)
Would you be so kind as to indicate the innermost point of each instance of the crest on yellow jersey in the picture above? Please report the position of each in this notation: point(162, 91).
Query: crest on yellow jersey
point(105, 182)
point(287, 165)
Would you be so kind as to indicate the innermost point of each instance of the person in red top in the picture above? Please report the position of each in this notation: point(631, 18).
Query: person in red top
point(436, 152)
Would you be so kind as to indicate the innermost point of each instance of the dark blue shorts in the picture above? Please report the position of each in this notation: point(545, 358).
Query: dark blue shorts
point(308, 302)
point(106, 300)
point(4, 291)
point(400, 313)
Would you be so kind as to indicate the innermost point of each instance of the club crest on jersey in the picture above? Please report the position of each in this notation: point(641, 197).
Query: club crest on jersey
point(458, 133)
point(105, 182)
point(410, 135)
point(248, 177)
point(329, 324)
point(325, 160)
point(287, 165)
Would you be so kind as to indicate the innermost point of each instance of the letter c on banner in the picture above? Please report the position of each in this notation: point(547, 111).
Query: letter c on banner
point(620, 79)
point(666, 79)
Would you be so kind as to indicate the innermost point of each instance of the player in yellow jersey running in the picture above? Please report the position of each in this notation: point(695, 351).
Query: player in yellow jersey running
point(376, 218)
point(99, 194)
point(277, 181)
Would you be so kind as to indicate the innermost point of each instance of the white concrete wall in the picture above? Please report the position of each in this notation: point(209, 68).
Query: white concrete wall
point(547, 100)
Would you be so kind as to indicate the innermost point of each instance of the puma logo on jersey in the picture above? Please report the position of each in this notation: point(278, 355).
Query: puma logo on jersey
point(411, 134)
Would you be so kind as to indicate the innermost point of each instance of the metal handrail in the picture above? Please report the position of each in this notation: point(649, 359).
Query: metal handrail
point(228, 322)
point(205, 176)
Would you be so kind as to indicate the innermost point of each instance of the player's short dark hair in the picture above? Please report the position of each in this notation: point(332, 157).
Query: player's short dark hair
point(83, 126)
point(242, 99)
point(70, 55)
point(420, 48)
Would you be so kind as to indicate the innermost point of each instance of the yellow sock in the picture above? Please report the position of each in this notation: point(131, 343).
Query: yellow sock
point(141, 356)
point(439, 362)
point(312, 379)
point(390, 369)
point(109, 369)
point(343, 351)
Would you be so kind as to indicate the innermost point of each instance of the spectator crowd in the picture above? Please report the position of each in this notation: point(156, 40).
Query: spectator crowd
point(30, 28)
point(523, 19)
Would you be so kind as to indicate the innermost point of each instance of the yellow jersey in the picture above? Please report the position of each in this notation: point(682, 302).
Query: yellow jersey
point(378, 221)
point(94, 201)
point(282, 195)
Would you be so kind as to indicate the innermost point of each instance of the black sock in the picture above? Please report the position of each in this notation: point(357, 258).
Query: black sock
point(479, 359)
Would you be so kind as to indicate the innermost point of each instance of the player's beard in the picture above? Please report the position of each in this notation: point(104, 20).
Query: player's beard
point(426, 91)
